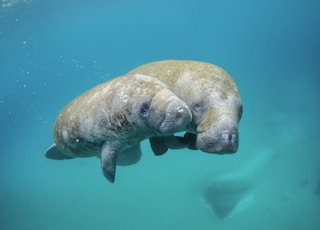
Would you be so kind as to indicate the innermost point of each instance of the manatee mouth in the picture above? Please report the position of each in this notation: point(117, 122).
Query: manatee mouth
point(218, 149)
point(225, 142)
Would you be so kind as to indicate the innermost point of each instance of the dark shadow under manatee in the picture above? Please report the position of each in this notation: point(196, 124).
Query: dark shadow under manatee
point(223, 196)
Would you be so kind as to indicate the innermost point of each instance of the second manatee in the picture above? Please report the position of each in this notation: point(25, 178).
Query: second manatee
point(213, 99)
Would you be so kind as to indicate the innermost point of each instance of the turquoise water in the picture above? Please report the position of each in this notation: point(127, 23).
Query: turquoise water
point(52, 51)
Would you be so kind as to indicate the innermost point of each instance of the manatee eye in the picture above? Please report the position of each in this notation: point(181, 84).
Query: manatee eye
point(197, 107)
point(144, 110)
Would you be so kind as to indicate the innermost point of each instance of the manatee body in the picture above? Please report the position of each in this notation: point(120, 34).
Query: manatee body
point(111, 119)
point(213, 99)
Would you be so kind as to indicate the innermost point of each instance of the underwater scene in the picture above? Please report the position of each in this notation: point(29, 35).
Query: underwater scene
point(53, 51)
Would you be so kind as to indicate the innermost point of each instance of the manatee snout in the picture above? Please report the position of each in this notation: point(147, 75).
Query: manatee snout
point(230, 138)
point(221, 138)
point(221, 143)
point(177, 117)
point(169, 114)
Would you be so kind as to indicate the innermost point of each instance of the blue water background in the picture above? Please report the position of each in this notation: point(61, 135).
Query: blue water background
point(52, 51)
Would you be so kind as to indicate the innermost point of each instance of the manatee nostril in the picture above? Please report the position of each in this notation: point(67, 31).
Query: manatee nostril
point(230, 137)
point(182, 112)
point(234, 138)
point(179, 113)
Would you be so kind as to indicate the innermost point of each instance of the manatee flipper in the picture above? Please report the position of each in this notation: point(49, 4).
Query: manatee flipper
point(160, 145)
point(109, 155)
point(190, 140)
point(130, 155)
point(175, 142)
point(55, 154)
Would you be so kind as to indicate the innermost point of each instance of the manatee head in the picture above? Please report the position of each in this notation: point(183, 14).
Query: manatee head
point(166, 113)
point(217, 130)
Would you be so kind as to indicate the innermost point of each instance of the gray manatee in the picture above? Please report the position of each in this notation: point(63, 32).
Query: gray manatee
point(213, 99)
point(111, 119)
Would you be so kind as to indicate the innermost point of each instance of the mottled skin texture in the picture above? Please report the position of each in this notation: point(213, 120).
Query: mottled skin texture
point(114, 117)
point(213, 99)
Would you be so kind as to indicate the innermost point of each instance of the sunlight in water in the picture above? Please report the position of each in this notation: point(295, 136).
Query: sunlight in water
point(9, 3)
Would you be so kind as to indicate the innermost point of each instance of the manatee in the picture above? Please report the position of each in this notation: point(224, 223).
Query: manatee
point(214, 101)
point(111, 119)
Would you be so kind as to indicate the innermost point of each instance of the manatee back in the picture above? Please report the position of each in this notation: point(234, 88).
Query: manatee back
point(191, 79)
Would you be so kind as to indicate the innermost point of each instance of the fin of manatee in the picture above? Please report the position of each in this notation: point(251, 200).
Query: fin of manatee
point(109, 155)
point(130, 155)
point(56, 154)
point(190, 140)
point(175, 142)
point(158, 145)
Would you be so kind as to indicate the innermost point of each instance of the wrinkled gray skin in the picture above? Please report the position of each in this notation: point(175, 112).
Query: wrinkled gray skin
point(213, 99)
point(110, 120)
